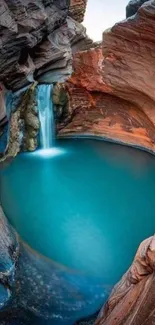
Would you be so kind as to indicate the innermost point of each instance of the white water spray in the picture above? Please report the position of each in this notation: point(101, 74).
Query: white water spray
point(46, 116)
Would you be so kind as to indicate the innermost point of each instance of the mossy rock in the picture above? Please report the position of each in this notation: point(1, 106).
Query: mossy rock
point(32, 133)
point(60, 96)
point(30, 143)
point(32, 120)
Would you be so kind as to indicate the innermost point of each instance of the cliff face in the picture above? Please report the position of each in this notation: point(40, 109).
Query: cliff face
point(36, 38)
point(36, 44)
point(132, 299)
point(122, 67)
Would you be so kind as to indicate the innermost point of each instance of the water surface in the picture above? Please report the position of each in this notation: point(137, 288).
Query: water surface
point(87, 207)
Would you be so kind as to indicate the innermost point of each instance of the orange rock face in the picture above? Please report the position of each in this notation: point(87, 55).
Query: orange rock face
point(122, 66)
point(132, 299)
point(88, 70)
point(111, 117)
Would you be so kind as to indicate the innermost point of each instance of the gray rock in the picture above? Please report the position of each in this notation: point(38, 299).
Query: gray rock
point(24, 24)
point(133, 7)
point(56, 62)
point(36, 41)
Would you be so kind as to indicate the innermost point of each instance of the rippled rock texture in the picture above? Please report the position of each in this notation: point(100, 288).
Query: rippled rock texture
point(36, 38)
point(132, 299)
point(37, 41)
point(114, 81)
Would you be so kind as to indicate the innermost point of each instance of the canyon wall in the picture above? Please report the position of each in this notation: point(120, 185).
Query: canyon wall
point(36, 44)
point(36, 38)
point(132, 299)
point(111, 91)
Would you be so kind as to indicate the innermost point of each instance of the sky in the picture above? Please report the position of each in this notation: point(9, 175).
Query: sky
point(102, 14)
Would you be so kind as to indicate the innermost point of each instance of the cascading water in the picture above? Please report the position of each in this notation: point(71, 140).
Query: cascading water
point(45, 108)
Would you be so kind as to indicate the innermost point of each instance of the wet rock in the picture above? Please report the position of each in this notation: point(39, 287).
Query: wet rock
point(60, 96)
point(30, 141)
point(8, 258)
point(60, 101)
point(4, 131)
point(23, 124)
point(13, 143)
point(37, 42)
point(33, 132)
point(31, 121)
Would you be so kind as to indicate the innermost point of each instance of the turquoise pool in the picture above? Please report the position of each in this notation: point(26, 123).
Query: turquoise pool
point(86, 206)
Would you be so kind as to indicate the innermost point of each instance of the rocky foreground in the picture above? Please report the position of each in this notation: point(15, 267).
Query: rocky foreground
point(133, 298)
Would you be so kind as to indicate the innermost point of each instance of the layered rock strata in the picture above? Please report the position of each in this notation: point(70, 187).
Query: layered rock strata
point(132, 299)
point(37, 42)
point(77, 9)
point(122, 67)
point(35, 38)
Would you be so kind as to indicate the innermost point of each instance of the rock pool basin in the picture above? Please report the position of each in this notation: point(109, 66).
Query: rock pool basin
point(87, 205)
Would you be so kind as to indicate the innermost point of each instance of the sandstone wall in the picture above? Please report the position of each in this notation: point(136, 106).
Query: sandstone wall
point(123, 67)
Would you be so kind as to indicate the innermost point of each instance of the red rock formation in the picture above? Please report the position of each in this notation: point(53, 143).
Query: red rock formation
point(122, 66)
point(132, 299)
point(128, 65)
point(112, 94)
point(100, 114)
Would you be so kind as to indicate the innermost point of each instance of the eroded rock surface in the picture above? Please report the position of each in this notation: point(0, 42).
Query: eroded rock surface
point(132, 299)
point(36, 38)
point(122, 66)
point(77, 9)
point(23, 25)
point(109, 117)
point(37, 43)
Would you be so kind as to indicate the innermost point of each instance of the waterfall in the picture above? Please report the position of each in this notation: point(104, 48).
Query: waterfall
point(45, 108)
